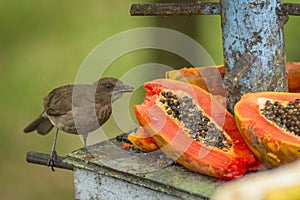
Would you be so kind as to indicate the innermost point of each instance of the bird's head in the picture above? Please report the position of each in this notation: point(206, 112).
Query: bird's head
point(111, 89)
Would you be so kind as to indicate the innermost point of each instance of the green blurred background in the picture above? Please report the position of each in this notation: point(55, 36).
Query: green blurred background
point(42, 45)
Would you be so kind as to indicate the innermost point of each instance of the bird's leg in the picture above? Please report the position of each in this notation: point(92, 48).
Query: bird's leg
point(84, 137)
point(53, 154)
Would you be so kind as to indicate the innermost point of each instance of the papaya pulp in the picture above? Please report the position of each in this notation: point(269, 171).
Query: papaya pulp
point(141, 140)
point(218, 151)
point(270, 123)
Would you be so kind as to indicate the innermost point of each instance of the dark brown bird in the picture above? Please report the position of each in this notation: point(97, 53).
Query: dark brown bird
point(78, 109)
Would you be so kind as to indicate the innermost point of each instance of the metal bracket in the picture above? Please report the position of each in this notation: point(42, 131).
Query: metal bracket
point(199, 8)
point(42, 159)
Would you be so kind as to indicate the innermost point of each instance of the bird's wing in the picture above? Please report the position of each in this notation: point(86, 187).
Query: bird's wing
point(62, 99)
point(58, 101)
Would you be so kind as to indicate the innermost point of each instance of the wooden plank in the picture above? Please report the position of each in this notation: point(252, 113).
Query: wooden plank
point(149, 170)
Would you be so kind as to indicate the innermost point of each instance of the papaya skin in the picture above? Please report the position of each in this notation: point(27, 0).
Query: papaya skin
point(293, 69)
point(172, 140)
point(210, 78)
point(272, 145)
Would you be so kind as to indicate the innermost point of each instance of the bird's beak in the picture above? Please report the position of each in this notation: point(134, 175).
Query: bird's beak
point(124, 88)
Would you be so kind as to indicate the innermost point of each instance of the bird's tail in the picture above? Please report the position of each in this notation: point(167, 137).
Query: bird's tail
point(42, 125)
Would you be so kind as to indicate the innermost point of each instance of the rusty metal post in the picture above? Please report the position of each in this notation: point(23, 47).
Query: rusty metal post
point(253, 44)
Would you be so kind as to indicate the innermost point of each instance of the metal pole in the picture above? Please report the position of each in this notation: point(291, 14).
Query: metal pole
point(253, 46)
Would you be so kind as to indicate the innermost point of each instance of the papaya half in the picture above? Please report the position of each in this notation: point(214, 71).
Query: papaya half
point(190, 126)
point(211, 78)
point(270, 125)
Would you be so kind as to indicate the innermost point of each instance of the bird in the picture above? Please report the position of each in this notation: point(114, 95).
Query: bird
point(77, 109)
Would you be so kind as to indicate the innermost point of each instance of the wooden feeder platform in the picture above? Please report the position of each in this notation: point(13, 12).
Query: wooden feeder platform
point(107, 171)
point(125, 174)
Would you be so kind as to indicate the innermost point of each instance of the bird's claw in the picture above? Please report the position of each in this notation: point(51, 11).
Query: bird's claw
point(89, 153)
point(51, 160)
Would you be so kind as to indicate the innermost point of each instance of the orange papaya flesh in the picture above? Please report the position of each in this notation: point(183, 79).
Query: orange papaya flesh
point(231, 158)
point(211, 78)
point(272, 135)
point(141, 140)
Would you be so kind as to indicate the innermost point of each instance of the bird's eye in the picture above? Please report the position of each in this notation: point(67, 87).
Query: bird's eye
point(108, 85)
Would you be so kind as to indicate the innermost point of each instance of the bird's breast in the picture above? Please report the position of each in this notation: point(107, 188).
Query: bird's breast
point(103, 113)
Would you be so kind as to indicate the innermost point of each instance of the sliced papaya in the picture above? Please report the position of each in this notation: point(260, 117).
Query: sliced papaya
point(190, 126)
point(211, 78)
point(141, 140)
point(270, 124)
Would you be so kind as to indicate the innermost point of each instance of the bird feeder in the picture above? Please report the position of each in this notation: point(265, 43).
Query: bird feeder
point(254, 60)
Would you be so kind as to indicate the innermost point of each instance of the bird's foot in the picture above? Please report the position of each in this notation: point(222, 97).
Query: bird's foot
point(51, 160)
point(89, 153)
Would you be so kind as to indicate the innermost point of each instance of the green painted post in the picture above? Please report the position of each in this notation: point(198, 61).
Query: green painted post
point(253, 44)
